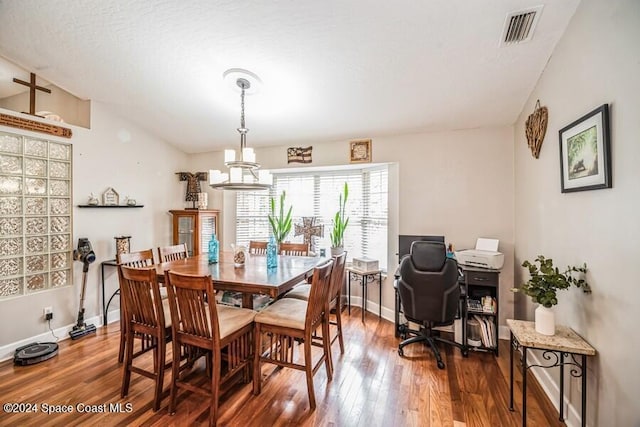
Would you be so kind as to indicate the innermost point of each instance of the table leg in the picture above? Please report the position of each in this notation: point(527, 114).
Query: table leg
point(584, 390)
point(524, 386)
point(349, 293)
point(104, 309)
point(510, 372)
point(364, 295)
point(380, 295)
point(247, 301)
point(561, 403)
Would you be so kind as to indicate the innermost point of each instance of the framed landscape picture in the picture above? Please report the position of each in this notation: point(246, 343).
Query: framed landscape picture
point(585, 152)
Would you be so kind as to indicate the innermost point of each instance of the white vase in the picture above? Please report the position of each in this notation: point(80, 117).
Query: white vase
point(337, 250)
point(545, 320)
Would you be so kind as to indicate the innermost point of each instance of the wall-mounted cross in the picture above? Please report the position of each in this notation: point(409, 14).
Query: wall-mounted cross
point(32, 92)
point(308, 230)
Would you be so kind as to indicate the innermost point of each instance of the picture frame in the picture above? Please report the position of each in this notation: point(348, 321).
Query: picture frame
point(585, 152)
point(360, 151)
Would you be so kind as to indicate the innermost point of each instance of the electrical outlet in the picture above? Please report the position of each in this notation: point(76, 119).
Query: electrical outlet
point(48, 313)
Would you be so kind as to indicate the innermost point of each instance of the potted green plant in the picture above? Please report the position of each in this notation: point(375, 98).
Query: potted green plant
point(280, 223)
point(340, 222)
point(544, 281)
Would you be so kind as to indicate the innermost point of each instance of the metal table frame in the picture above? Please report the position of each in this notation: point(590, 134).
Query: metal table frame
point(105, 307)
point(365, 278)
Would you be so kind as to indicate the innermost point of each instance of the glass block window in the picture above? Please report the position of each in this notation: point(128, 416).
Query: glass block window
point(35, 215)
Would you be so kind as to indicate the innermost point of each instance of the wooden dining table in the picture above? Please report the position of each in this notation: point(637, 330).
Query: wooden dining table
point(253, 278)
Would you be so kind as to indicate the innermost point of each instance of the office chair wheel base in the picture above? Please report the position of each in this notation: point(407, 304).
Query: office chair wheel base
point(401, 352)
point(440, 364)
point(465, 353)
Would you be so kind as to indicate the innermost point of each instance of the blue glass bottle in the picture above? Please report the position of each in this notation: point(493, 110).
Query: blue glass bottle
point(272, 253)
point(214, 247)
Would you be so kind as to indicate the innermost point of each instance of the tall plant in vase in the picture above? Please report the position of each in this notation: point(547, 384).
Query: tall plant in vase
point(340, 222)
point(280, 222)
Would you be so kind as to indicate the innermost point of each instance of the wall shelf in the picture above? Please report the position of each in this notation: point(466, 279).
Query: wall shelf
point(112, 206)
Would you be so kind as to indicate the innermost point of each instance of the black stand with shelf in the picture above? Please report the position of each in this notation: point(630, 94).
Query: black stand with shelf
point(476, 283)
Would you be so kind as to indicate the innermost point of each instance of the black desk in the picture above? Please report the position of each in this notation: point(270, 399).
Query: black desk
point(364, 277)
point(559, 350)
point(103, 264)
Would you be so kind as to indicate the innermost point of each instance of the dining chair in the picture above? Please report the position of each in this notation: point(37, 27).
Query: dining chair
point(147, 318)
point(335, 296)
point(137, 260)
point(173, 253)
point(297, 249)
point(219, 333)
point(289, 320)
point(257, 247)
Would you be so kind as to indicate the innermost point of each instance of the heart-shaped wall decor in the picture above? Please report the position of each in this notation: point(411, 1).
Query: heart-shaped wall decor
point(536, 127)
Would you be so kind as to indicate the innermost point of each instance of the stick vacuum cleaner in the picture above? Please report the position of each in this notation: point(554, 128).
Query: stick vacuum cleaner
point(84, 253)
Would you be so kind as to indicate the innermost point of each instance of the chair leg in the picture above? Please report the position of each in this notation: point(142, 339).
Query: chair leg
point(175, 376)
point(215, 390)
point(339, 325)
point(308, 364)
point(326, 345)
point(159, 356)
point(126, 368)
point(123, 336)
point(257, 349)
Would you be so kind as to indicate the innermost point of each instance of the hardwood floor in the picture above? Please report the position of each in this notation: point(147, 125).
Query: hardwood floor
point(372, 386)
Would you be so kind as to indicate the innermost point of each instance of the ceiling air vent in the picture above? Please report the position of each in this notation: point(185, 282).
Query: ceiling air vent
point(519, 26)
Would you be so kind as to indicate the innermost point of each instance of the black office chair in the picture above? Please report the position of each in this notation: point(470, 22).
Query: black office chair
point(429, 293)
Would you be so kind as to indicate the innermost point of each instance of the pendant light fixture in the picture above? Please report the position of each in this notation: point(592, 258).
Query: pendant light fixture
point(244, 174)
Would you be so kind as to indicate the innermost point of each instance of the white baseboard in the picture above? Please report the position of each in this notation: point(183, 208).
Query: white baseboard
point(552, 389)
point(7, 352)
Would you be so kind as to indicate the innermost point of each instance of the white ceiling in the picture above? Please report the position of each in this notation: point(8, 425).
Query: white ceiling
point(331, 70)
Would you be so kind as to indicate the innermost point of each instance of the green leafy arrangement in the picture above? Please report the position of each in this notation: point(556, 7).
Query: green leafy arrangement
point(546, 279)
point(340, 221)
point(280, 224)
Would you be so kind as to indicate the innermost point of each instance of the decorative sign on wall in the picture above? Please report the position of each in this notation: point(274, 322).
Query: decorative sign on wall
point(360, 151)
point(18, 122)
point(536, 127)
point(299, 155)
point(110, 197)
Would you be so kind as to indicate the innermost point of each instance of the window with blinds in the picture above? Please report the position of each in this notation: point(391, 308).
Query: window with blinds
point(315, 194)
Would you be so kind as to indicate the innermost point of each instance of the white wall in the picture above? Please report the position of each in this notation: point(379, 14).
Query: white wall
point(597, 61)
point(458, 184)
point(114, 153)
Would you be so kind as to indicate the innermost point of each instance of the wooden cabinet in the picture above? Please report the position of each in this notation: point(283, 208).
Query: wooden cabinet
point(195, 227)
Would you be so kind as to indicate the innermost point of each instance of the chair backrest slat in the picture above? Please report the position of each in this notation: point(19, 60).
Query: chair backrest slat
point(319, 295)
point(193, 309)
point(141, 293)
point(337, 276)
point(136, 259)
point(257, 248)
point(296, 249)
point(173, 253)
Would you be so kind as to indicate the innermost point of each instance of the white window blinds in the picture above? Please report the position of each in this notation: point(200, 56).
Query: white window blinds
point(315, 194)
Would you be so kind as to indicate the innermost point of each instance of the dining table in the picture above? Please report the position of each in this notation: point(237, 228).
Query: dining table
point(252, 278)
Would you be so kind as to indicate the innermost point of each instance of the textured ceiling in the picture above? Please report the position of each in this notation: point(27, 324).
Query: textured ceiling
point(331, 69)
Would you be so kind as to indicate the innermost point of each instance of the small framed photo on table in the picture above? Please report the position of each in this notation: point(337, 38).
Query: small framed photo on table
point(585, 152)
point(360, 151)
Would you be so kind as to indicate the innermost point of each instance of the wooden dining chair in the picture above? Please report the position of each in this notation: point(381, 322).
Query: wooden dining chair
point(335, 296)
point(297, 249)
point(173, 253)
point(147, 318)
point(137, 260)
point(257, 247)
point(217, 332)
point(289, 320)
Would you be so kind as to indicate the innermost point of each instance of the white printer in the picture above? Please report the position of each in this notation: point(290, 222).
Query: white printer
point(485, 255)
